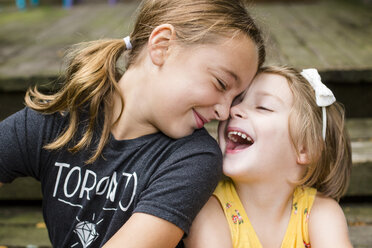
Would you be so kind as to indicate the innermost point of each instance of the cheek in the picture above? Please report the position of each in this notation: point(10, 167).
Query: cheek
point(205, 93)
point(279, 142)
point(276, 127)
point(272, 134)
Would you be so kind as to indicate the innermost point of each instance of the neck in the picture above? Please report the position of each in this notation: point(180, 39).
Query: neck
point(133, 121)
point(272, 199)
point(267, 201)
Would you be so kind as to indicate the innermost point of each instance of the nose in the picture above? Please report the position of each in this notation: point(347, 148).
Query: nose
point(237, 112)
point(222, 111)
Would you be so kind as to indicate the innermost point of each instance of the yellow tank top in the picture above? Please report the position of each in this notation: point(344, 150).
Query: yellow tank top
point(242, 232)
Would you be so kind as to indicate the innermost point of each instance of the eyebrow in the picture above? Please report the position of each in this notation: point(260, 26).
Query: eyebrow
point(264, 93)
point(231, 74)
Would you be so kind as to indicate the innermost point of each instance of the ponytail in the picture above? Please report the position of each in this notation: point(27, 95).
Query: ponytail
point(90, 85)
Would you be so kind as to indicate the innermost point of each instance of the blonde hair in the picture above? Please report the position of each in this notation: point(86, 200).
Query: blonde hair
point(92, 73)
point(330, 160)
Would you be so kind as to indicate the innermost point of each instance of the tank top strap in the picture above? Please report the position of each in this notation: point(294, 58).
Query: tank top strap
point(297, 234)
point(241, 230)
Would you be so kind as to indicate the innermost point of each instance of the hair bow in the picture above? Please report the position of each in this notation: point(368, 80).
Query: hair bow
point(324, 96)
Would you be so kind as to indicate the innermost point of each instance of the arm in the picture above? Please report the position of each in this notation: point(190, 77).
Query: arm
point(327, 224)
point(150, 230)
point(209, 224)
point(21, 141)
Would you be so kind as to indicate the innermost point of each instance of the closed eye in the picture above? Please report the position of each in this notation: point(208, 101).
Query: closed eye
point(222, 84)
point(263, 108)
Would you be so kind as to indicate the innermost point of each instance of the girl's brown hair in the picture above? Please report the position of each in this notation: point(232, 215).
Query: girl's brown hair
point(92, 74)
point(330, 160)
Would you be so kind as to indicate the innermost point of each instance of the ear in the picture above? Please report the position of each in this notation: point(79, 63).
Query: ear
point(303, 157)
point(159, 43)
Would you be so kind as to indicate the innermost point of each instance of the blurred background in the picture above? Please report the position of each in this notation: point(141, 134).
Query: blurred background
point(333, 36)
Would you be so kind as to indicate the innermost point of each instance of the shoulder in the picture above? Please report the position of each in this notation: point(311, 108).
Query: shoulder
point(25, 123)
point(32, 118)
point(327, 224)
point(198, 151)
point(18, 117)
point(200, 138)
point(209, 224)
point(183, 171)
point(326, 208)
point(49, 125)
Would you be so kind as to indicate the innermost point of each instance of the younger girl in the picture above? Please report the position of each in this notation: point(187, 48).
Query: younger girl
point(288, 155)
point(125, 158)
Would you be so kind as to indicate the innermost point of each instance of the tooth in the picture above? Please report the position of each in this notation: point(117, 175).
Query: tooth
point(244, 136)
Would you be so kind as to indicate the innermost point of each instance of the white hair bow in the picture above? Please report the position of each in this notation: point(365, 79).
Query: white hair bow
point(324, 96)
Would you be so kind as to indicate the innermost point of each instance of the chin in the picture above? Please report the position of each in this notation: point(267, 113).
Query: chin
point(230, 170)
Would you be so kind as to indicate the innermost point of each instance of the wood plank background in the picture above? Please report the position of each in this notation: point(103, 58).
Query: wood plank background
point(334, 37)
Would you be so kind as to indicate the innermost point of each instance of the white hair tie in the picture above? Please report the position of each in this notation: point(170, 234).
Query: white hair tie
point(127, 43)
point(324, 96)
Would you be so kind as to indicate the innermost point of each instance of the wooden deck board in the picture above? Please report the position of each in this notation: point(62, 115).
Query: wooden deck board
point(284, 38)
point(360, 236)
point(329, 41)
point(42, 55)
point(360, 128)
point(331, 36)
point(21, 226)
point(314, 40)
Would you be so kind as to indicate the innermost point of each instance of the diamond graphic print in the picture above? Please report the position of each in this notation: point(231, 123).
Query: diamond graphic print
point(86, 232)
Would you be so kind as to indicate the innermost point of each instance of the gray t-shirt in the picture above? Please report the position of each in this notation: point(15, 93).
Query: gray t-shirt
point(84, 205)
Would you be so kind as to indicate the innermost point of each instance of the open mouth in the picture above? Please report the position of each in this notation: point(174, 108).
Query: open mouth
point(237, 141)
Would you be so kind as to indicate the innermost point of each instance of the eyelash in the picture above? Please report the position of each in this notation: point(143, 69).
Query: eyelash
point(263, 108)
point(222, 84)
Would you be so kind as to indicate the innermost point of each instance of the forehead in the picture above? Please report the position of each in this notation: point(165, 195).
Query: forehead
point(237, 56)
point(271, 85)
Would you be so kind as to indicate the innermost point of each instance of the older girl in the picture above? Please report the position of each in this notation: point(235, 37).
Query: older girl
point(124, 159)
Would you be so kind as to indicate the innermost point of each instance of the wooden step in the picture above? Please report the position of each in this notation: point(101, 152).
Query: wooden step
point(359, 218)
point(24, 226)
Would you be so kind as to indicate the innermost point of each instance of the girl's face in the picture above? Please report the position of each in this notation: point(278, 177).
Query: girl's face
point(197, 84)
point(256, 141)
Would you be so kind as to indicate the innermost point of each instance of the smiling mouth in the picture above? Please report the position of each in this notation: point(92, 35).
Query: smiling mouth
point(237, 141)
point(200, 120)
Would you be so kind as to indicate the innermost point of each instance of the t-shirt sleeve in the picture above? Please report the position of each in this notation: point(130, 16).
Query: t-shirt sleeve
point(21, 139)
point(185, 181)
